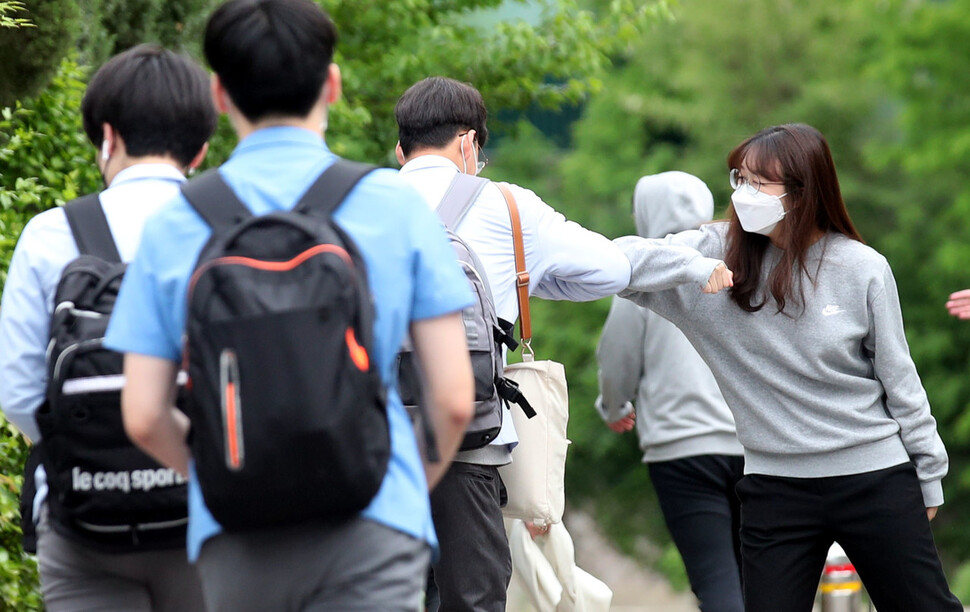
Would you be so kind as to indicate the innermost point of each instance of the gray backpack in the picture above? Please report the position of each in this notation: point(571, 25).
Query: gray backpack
point(485, 334)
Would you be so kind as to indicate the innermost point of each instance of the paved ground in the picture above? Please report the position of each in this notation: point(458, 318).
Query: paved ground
point(635, 588)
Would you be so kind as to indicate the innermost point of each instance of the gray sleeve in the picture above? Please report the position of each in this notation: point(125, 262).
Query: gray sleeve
point(906, 399)
point(621, 360)
point(668, 274)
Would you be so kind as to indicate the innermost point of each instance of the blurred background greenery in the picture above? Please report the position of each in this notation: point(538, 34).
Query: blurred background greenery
point(586, 96)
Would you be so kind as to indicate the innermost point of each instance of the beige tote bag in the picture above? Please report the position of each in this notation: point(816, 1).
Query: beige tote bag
point(534, 479)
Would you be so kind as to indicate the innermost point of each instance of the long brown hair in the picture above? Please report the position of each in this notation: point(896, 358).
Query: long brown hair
point(798, 156)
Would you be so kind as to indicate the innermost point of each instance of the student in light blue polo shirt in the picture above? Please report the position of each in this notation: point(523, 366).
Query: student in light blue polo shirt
point(275, 79)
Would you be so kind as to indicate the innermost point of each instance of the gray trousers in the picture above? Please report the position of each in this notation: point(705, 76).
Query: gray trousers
point(77, 578)
point(352, 565)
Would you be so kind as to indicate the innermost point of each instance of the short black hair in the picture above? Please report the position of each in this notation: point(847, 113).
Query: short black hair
point(272, 56)
point(158, 101)
point(434, 110)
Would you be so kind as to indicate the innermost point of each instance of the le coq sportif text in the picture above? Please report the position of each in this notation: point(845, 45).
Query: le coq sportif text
point(126, 481)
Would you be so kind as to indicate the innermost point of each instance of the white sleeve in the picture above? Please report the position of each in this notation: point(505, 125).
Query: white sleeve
point(24, 333)
point(566, 260)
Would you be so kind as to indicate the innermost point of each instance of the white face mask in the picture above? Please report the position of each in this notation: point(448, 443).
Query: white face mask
point(758, 213)
point(464, 163)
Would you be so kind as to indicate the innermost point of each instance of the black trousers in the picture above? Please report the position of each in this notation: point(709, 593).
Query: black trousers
point(788, 524)
point(472, 573)
point(703, 514)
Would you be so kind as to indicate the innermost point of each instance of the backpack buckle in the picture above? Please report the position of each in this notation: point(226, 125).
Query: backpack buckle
point(509, 390)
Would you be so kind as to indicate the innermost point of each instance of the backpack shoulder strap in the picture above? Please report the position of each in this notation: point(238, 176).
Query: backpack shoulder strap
point(458, 199)
point(521, 273)
point(214, 200)
point(326, 193)
point(90, 228)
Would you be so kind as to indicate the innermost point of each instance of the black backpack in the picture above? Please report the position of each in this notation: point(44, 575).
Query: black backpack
point(485, 333)
point(288, 410)
point(104, 491)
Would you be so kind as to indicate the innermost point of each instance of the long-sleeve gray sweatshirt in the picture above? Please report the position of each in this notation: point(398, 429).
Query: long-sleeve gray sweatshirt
point(827, 390)
point(645, 359)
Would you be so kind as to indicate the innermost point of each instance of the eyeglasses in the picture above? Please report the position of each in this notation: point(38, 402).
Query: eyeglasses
point(751, 185)
point(482, 160)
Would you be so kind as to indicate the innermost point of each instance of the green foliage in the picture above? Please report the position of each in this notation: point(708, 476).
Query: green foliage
point(45, 160)
point(960, 582)
point(928, 247)
point(29, 56)
point(513, 63)
point(9, 7)
point(45, 156)
point(18, 571)
point(111, 26)
point(693, 89)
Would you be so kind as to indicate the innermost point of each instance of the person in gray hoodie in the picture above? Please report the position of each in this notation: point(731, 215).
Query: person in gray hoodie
point(685, 427)
point(809, 350)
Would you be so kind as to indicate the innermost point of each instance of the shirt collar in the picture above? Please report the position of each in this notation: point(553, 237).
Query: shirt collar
point(424, 162)
point(148, 171)
point(279, 135)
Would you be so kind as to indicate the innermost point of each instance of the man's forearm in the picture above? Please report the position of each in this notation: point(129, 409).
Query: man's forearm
point(148, 407)
point(166, 442)
point(449, 426)
point(439, 344)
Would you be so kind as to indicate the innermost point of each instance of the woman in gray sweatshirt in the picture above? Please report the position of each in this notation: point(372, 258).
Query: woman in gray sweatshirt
point(809, 351)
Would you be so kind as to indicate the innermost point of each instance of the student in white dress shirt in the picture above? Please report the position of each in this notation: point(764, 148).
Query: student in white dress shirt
point(149, 114)
point(441, 127)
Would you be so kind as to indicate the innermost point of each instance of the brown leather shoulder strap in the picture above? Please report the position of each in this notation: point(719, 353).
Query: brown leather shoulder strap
point(521, 274)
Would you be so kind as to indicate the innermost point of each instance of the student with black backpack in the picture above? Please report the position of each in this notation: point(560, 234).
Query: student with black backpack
point(293, 277)
point(111, 521)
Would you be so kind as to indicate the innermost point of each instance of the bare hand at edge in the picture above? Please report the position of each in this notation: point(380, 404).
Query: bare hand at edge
point(625, 424)
point(721, 278)
point(959, 304)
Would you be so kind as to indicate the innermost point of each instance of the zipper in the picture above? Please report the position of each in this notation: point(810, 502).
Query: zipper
point(137, 527)
point(77, 312)
point(358, 354)
point(472, 337)
point(71, 348)
point(231, 409)
point(270, 266)
point(69, 306)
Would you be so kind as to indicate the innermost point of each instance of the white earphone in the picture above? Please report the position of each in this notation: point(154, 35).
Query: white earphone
point(104, 150)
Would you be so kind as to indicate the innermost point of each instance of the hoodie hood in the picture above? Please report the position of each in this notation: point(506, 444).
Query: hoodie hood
point(670, 202)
